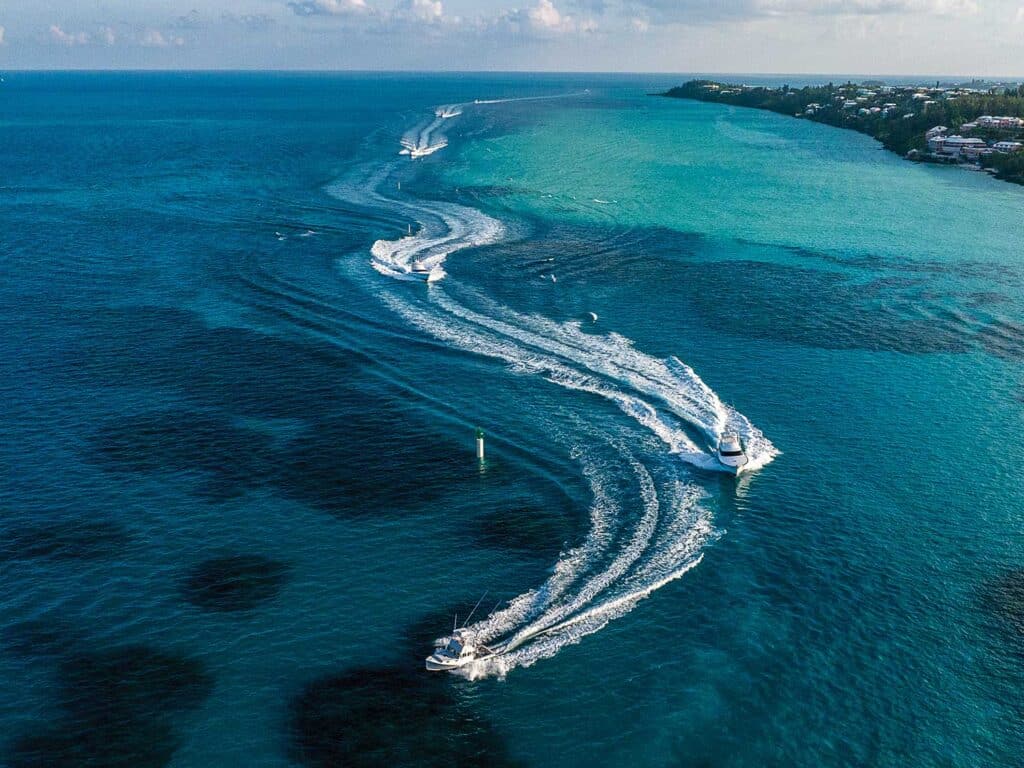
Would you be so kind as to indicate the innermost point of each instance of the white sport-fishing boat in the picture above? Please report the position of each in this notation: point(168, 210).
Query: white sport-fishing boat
point(731, 453)
point(460, 651)
point(425, 273)
point(461, 648)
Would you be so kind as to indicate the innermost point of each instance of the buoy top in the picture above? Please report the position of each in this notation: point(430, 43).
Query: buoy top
point(479, 434)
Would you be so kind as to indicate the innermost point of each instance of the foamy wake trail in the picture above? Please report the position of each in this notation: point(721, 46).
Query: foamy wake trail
point(605, 365)
point(648, 524)
point(624, 558)
point(604, 514)
point(444, 229)
point(427, 138)
point(650, 561)
point(636, 545)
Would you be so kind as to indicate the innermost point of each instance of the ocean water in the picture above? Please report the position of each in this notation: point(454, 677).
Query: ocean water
point(239, 499)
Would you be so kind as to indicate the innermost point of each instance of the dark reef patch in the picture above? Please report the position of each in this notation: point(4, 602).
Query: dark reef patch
point(375, 460)
point(390, 716)
point(43, 638)
point(1004, 598)
point(231, 458)
point(110, 745)
point(1002, 668)
point(253, 374)
point(236, 369)
point(63, 540)
point(977, 270)
point(986, 298)
point(134, 679)
point(524, 529)
point(234, 583)
point(117, 709)
point(817, 308)
point(1003, 338)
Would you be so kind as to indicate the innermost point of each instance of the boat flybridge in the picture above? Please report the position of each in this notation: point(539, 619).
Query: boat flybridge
point(731, 453)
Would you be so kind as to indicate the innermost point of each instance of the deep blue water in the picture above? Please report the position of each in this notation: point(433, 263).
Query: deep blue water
point(239, 499)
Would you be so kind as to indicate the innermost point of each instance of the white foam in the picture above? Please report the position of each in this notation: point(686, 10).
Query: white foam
point(604, 510)
point(635, 547)
point(614, 357)
point(445, 228)
point(626, 554)
point(427, 138)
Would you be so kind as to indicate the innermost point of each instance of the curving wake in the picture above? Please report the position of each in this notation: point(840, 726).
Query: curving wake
point(649, 522)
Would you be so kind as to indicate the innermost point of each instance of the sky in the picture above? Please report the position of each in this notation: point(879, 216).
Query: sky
point(896, 37)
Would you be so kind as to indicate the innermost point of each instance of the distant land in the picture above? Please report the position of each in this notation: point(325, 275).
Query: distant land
point(976, 124)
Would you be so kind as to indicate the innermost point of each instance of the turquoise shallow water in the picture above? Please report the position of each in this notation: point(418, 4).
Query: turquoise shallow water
point(239, 494)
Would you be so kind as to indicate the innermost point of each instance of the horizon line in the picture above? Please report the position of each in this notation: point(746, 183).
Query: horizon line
point(412, 71)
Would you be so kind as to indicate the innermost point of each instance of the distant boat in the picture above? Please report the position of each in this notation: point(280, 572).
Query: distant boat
point(415, 151)
point(731, 453)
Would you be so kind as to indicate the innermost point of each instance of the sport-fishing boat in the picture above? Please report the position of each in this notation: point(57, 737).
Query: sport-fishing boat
point(459, 651)
point(425, 273)
point(731, 453)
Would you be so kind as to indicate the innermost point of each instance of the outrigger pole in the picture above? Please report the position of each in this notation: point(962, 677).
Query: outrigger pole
point(474, 609)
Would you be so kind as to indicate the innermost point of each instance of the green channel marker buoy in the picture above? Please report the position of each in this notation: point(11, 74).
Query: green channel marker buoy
point(479, 444)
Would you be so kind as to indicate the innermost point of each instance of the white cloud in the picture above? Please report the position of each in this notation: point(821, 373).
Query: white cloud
point(867, 7)
point(1020, 14)
point(705, 11)
point(545, 16)
point(67, 38)
point(423, 10)
point(146, 37)
point(2, 31)
point(154, 38)
point(639, 24)
point(328, 7)
point(543, 19)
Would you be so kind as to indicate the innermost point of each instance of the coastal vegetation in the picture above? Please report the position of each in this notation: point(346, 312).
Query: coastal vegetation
point(900, 117)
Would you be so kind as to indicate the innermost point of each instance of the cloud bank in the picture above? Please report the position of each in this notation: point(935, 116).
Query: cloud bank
point(882, 36)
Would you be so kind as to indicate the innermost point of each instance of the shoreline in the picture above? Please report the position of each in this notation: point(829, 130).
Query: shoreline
point(910, 121)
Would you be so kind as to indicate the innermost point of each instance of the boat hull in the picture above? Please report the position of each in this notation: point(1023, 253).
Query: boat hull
point(432, 664)
point(432, 276)
point(732, 468)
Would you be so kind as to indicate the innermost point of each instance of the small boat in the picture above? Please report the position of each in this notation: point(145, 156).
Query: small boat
point(425, 273)
point(731, 453)
point(459, 651)
point(415, 151)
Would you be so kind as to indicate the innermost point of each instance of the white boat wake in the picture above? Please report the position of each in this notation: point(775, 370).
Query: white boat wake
point(444, 229)
point(422, 141)
point(427, 138)
point(626, 554)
